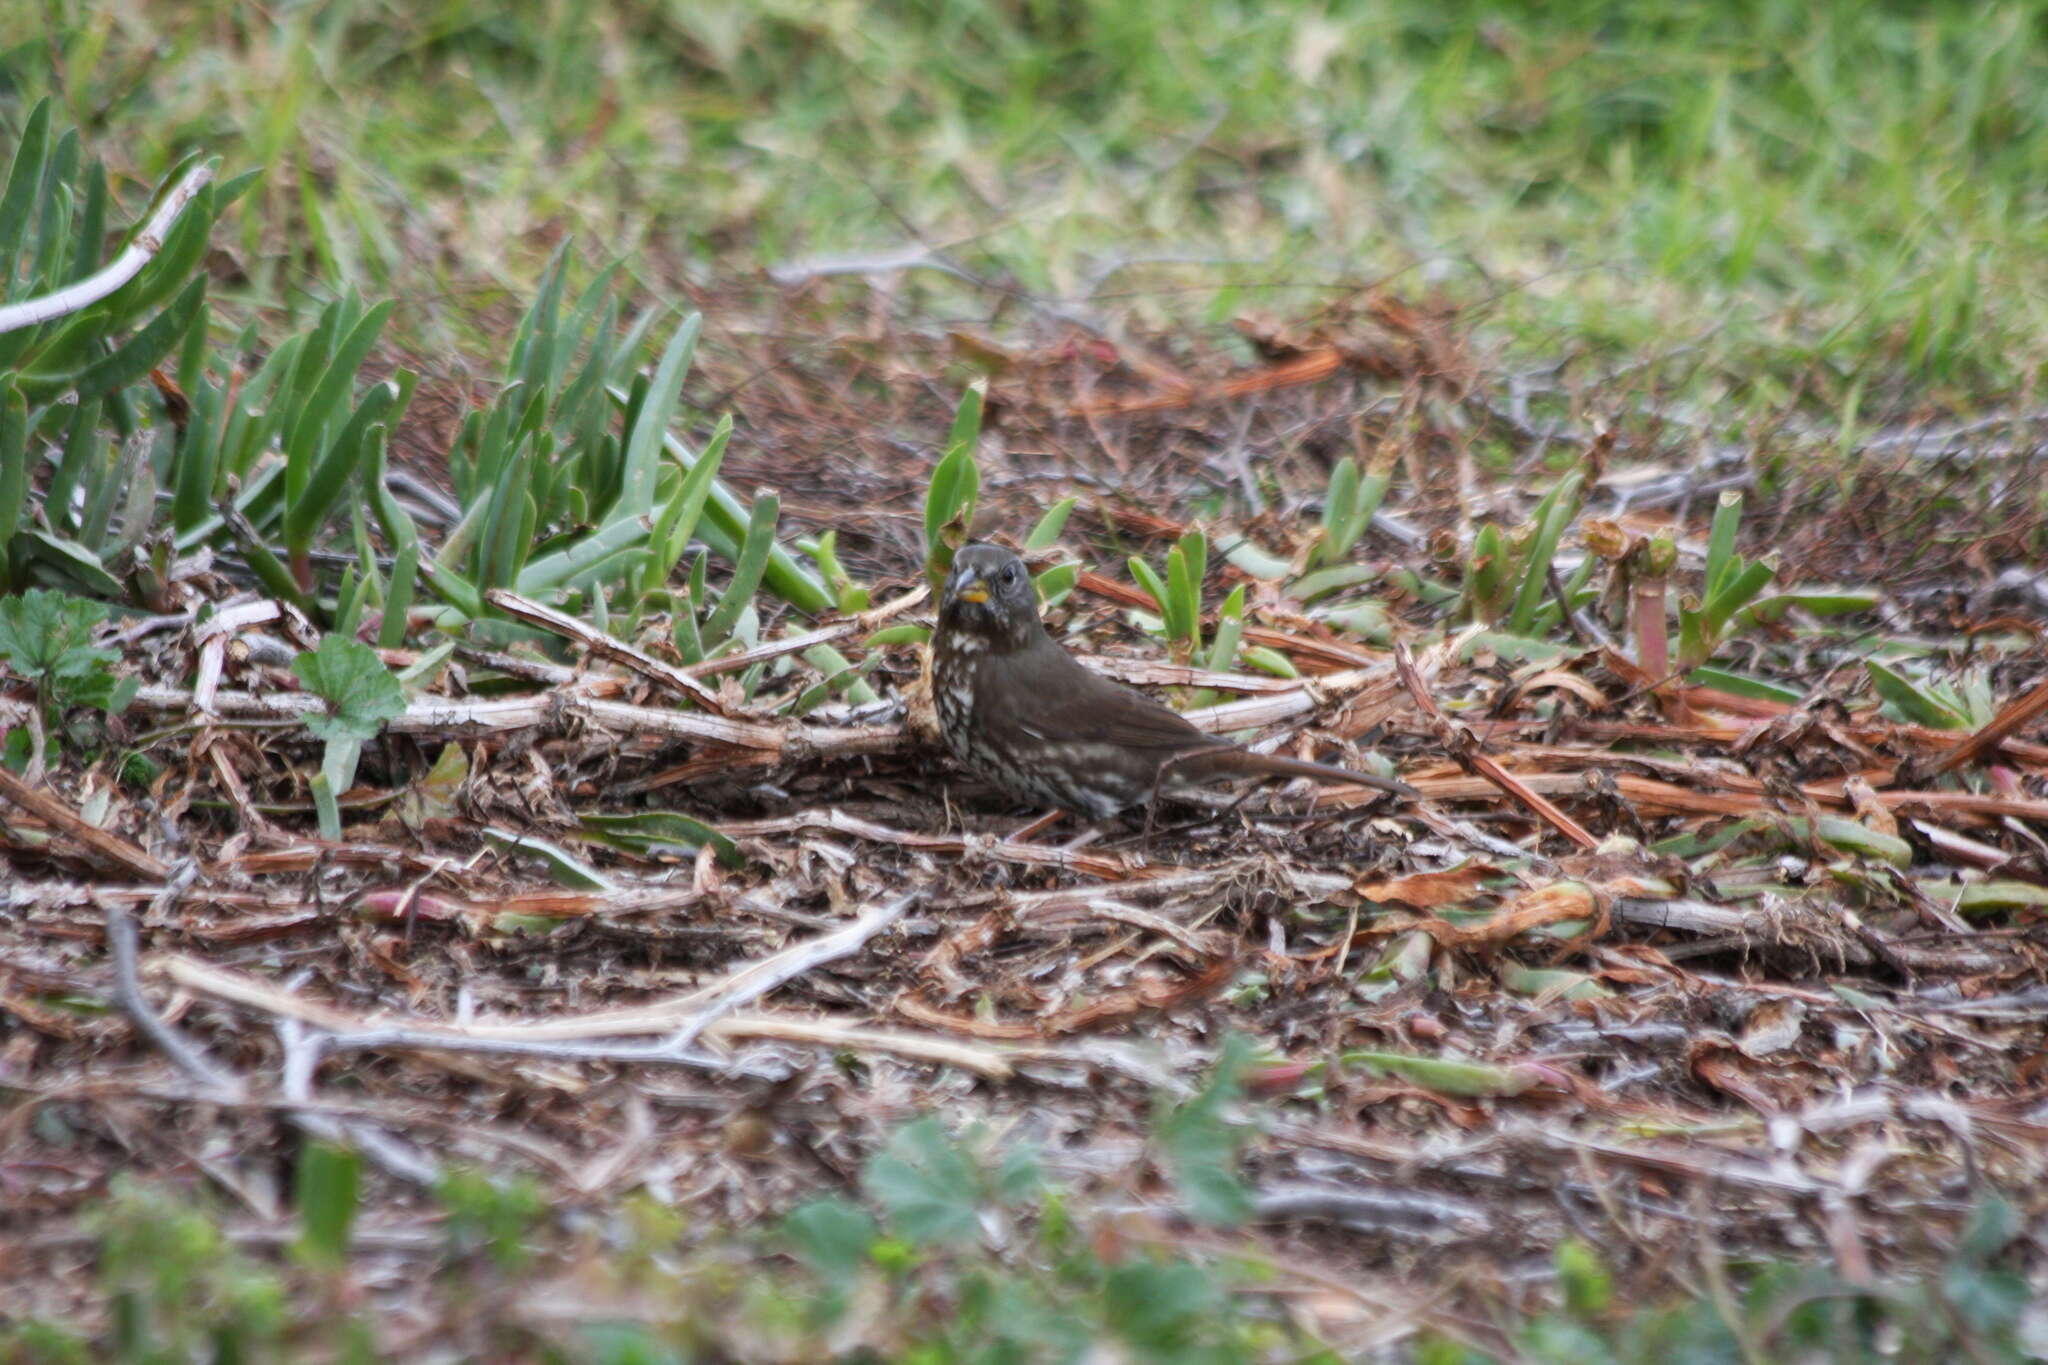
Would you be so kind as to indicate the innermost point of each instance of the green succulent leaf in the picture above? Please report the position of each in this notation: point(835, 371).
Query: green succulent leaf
point(955, 487)
point(1046, 533)
point(146, 349)
point(650, 831)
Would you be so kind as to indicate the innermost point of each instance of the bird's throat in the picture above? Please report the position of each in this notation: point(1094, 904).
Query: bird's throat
point(976, 631)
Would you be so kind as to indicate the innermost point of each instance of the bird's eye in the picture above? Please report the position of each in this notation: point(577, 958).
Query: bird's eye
point(1010, 572)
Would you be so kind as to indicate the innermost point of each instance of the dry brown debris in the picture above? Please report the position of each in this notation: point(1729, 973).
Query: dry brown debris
point(1810, 1051)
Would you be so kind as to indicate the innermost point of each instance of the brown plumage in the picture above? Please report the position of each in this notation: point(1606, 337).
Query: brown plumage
point(1024, 714)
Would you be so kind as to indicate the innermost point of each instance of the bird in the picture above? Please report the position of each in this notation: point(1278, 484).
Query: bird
point(1020, 712)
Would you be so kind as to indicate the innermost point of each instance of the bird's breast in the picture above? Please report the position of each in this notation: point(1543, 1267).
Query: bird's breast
point(954, 671)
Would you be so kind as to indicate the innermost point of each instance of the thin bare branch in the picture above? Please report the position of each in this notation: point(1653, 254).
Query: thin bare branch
point(141, 248)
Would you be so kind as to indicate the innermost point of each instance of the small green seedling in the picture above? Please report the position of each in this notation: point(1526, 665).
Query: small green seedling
point(1732, 583)
point(46, 637)
point(955, 487)
point(361, 696)
point(1179, 594)
point(1348, 508)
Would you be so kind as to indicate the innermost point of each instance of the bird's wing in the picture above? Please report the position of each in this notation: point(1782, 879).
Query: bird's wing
point(1081, 706)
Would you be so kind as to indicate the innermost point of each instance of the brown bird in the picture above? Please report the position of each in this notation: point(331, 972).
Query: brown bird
point(1024, 714)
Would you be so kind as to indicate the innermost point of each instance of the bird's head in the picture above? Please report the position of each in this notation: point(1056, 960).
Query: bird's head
point(990, 598)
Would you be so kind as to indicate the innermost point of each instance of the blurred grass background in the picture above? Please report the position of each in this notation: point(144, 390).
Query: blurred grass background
point(1775, 202)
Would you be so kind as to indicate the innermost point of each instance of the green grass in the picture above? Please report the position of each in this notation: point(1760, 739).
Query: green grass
point(1772, 202)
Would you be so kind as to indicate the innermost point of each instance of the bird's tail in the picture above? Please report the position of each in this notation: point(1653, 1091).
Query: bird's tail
point(1237, 762)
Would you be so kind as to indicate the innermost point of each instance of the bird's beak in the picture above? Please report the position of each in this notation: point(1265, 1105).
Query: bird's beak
point(970, 589)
